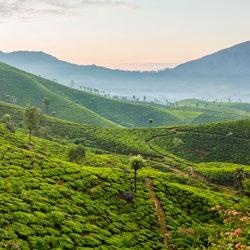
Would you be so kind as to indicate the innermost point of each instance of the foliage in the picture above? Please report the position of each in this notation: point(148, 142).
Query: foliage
point(33, 90)
point(220, 173)
point(49, 203)
point(136, 163)
point(32, 119)
point(77, 153)
point(239, 177)
point(9, 124)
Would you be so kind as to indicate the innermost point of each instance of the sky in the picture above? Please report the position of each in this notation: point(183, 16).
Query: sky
point(127, 34)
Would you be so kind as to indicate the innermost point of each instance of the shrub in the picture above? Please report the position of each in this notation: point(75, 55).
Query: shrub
point(9, 124)
point(76, 154)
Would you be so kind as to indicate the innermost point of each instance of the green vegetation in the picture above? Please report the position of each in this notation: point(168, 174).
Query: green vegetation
point(225, 142)
point(77, 186)
point(76, 154)
point(33, 91)
point(220, 172)
point(137, 162)
point(32, 119)
point(9, 124)
point(88, 108)
point(50, 203)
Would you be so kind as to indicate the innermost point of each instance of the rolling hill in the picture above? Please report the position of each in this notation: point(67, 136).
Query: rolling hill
point(219, 75)
point(215, 142)
point(29, 90)
point(73, 105)
point(87, 108)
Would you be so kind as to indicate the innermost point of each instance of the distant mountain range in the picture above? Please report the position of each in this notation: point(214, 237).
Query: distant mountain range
point(220, 75)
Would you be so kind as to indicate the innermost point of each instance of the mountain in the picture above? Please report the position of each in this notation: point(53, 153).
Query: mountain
point(219, 75)
point(231, 61)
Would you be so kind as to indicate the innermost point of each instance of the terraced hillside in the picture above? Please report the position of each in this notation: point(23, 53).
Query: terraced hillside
point(49, 203)
point(229, 141)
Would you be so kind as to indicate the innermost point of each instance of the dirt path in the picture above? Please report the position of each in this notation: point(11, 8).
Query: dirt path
point(159, 210)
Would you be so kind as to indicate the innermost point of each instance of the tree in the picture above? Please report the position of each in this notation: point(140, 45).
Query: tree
point(150, 122)
point(46, 104)
point(239, 177)
point(137, 162)
point(6, 118)
point(9, 124)
point(32, 119)
point(76, 154)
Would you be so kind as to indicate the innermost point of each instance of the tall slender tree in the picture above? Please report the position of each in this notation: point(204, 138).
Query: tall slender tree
point(136, 162)
point(150, 122)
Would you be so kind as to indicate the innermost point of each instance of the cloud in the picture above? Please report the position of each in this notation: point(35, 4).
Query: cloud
point(31, 8)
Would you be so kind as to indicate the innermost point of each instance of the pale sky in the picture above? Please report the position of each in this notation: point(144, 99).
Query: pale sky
point(124, 33)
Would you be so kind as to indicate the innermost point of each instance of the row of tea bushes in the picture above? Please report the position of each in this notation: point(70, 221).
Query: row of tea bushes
point(221, 173)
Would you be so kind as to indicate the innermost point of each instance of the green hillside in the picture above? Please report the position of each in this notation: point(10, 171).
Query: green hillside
point(216, 111)
point(224, 146)
point(76, 106)
point(86, 108)
point(227, 141)
point(137, 114)
point(128, 114)
point(29, 89)
point(50, 203)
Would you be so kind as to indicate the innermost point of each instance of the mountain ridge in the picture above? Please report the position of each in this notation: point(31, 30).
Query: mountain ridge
point(221, 74)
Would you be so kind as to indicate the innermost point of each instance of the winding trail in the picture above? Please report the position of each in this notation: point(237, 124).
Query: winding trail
point(159, 210)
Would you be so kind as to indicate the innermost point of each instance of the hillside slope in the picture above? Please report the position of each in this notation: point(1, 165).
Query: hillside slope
point(225, 141)
point(77, 106)
point(48, 203)
point(128, 114)
point(28, 89)
point(83, 107)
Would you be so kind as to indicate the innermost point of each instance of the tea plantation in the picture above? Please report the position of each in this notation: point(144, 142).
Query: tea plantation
point(48, 202)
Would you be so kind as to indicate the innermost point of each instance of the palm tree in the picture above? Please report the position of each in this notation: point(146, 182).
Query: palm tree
point(137, 162)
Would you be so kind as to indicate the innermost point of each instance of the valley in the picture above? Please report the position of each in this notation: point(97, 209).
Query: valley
point(80, 170)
